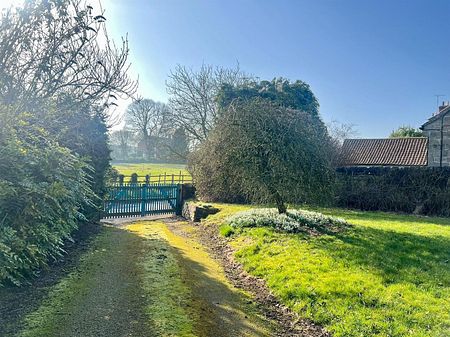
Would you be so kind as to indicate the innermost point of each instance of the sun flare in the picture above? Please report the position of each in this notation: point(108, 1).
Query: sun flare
point(10, 3)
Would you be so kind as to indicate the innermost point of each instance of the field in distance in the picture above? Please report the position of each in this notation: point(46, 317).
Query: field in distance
point(148, 168)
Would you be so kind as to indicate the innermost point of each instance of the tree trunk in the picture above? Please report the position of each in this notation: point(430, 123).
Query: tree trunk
point(280, 204)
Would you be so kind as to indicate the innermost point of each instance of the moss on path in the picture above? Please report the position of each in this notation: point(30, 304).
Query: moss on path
point(212, 305)
point(144, 280)
point(101, 297)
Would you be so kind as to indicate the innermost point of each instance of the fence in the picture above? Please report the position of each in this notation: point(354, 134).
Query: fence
point(161, 179)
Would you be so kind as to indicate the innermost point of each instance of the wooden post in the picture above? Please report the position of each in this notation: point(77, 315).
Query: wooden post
point(134, 178)
point(179, 200)
point(144, 198)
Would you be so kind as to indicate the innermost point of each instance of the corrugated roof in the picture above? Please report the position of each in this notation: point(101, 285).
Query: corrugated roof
point(411, 151)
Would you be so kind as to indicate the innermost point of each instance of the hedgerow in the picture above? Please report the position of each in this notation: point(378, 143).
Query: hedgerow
point(55, 92)
point(293, 221)
point(42, 187)
point(423, 190)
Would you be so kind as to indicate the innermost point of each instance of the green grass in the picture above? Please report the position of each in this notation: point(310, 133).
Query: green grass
point(388, 275)
point(153, 169)
point(226, 230)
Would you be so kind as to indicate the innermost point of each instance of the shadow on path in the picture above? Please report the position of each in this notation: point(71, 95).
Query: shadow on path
point(17, 302)
point(136, 280)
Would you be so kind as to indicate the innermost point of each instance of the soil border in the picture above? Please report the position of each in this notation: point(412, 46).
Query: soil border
point(290, 323)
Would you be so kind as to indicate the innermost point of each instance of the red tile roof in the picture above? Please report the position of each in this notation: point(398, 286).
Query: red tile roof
point(385, 152)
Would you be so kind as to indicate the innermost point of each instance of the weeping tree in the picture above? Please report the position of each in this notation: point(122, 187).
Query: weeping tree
point(265, 153)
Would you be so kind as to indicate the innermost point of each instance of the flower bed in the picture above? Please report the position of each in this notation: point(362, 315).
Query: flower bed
point(292, 222)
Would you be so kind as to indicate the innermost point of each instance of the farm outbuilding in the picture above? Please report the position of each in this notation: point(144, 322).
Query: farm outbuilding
point(432, 150)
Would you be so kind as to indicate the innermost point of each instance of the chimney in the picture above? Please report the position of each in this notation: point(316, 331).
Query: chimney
point(443, 106)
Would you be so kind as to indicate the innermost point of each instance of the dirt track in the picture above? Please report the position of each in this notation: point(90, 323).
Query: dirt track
point(138, 279)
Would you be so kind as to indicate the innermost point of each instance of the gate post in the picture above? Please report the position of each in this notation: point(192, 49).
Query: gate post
point(179, 209)
point(144, 198)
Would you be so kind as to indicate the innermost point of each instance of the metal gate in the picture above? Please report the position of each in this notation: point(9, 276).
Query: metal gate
point(140, 199)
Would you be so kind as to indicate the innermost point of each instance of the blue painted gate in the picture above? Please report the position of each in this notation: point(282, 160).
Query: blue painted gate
point(140, 199)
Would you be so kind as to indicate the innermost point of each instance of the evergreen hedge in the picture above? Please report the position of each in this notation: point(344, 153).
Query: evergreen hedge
point(43, 186)
point(421, 190)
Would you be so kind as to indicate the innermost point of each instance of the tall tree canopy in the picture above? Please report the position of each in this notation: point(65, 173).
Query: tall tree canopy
point(147, 117)
point(149, 120)
point(294, 95)
point(59, 75)
point(56, 47)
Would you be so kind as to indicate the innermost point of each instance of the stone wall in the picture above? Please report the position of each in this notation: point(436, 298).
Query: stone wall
point(432, 131)
point(196, 211)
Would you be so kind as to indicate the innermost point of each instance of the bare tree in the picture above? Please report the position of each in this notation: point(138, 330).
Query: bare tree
point(340, 131)
point(123, 140)
point(57, 48)
point(147, 117)
point(149, 120)
point(193, 97)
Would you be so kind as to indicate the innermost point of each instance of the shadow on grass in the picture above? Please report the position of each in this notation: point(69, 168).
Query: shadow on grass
point(396, 256)
point(382, 216)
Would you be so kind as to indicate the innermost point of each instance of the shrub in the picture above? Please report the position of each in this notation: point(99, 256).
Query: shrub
point(293, 221)
point(226, 230)
point(424, 190)
point(42, 187)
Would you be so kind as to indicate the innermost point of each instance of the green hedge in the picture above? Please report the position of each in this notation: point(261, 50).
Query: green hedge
point(42, 188)
point(423, 191)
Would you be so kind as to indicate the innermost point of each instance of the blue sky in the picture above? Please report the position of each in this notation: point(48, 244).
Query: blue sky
point(377, 64)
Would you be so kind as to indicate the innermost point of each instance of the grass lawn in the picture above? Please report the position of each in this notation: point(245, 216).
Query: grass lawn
point(153, 169)
point(388, 275)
